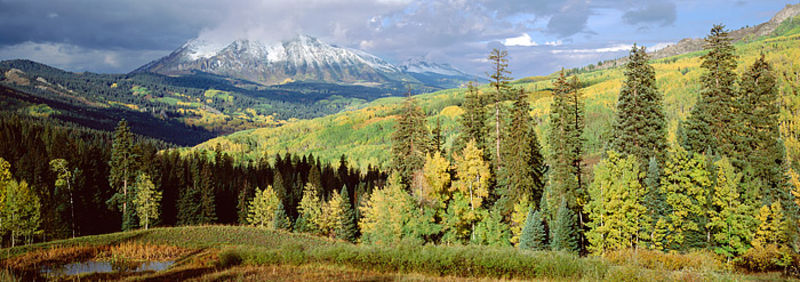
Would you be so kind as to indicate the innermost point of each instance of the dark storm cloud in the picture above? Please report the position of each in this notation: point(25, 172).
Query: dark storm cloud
point(144, 24)
point(652, 12)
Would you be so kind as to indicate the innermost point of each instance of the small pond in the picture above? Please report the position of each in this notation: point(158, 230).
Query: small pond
point(103, 267)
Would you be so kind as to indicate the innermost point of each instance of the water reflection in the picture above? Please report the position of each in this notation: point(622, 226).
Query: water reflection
point(104, 267)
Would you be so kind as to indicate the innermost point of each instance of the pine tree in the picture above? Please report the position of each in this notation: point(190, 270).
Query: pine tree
point(499, 80)
point(564, 232)
point(533, 236)
point(712, 123)
point(346, 229)
point(147, 201)
point(472, 120)
point(208, 205)
point(566, 148)
point(685, 184)
point(280, 221)
point(438, 139)
point(262, 207)
point(410, 141)
point(763, 149)
point(730, 220)
point(640, 125)
point(122, 171)
point(522, 176)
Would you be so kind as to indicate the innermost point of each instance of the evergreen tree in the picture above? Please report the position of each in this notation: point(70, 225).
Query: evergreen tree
point(617, 212)
point(491, 230)
point(772, 227)
point(122, 171)
point(208, 205)
point(522, 176)
point(5, 180)
point(472, 120)
point(410, 141)
point(712, 123)
point(346, 229)
point(640, 125)
point(685, 184)
point(262, 207)
point(280, 221)
point(564, 232)
point(499, 80)
point(147, 201)
point(533, 236)
point(438, 139)
point(64, 180)
point(566, 148)
point(763, 149)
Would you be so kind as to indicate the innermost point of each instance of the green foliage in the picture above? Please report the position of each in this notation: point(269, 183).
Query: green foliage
point(261, 210)
point(501, 84)
point(309, 210)
point(410, 141)
point(280, 221)
point(715, 119)
point(566, 145)
point(640, 124)
point(564, 230)
point(522, 174)
point(390, 216)
point(518, 218)
point(123, 170)
point(685, 184)
point(21, 212)
point(617, 212)
point(491, 230)
point(534, 236)
point(472, 120)
point(730, 219)
point(347, 229)
point(147, 201)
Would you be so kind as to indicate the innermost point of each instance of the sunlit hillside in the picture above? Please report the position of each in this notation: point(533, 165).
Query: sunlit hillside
point(364, 135)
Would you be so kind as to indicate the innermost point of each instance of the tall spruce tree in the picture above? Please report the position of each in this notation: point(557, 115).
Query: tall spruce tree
point(640, 125)
point(346, 229)
point(763, 149)
point(208, 205)
point(499, 80)
point(122, 172)
point(280, 221)
point(534, 236)
point(712, 123)
point(564, 230)
point(410, 141)
point(566, 148)
point(472, 120)
point(523, 173)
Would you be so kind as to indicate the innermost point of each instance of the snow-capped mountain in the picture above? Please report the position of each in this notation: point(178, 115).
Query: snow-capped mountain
point(303, 58)
point(431, 73)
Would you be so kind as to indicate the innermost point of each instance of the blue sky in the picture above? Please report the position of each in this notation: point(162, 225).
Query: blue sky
point(541, 36)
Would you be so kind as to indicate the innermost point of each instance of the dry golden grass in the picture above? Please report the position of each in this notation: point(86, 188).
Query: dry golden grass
point(143, 251)
point(53, 255)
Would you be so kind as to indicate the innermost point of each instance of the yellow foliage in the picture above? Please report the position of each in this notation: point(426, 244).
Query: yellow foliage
point(452, 111)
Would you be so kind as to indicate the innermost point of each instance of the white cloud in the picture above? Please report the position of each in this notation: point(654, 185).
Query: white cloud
point(659, 46)
point(554, 43)
point(523, 40)
point(611, 49)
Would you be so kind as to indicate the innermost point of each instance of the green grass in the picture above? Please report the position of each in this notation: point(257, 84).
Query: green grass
point(250, 246)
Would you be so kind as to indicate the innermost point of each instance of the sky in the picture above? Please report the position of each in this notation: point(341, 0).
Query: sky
point(541, 36)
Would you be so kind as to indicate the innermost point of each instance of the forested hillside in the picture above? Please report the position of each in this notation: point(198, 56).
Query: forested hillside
point(185, 110)
point(363, 134)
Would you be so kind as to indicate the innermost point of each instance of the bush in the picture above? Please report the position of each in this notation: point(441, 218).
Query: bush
point(657, 260)
point(228, 258)
point(766, 258)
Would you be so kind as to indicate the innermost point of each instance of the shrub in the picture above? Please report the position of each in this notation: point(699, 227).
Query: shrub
point(766, 258)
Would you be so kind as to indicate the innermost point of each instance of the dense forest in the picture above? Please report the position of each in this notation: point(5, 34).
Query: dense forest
point(723, 184)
